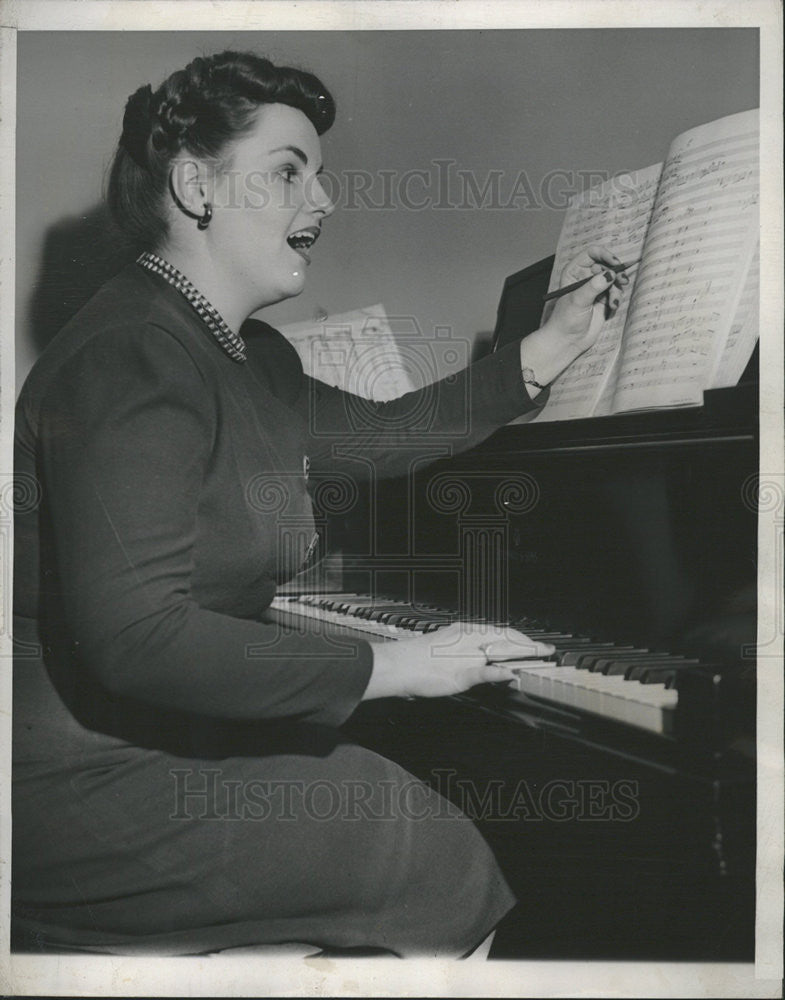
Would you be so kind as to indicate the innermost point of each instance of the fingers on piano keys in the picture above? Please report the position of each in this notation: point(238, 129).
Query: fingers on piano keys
point(627, 684)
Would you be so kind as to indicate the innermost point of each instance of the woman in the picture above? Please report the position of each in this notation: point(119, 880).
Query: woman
point(170, 745)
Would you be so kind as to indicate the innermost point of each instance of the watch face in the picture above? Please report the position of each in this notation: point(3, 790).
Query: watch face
point(529, 378)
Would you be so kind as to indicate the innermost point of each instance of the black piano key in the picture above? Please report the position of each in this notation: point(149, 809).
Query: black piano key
point(633, 669)
point(350, 607)
point(366, 610)
point(380, 612)
point(637, 668)
point(610, 665)
point(370, 609)
point(666, 673)
point(626, 665)
point(589, 660)
point(397, 618)
point(658, 675)
point(388, 608)
point(570, 657)
point(391, 617)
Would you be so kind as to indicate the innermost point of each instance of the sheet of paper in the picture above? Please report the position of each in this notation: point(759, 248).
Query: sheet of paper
point(355, 351)
point(614, 214)
point(697, 253)
point(744, 332)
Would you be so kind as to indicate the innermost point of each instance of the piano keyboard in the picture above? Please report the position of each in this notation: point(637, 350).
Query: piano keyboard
point(626, 684)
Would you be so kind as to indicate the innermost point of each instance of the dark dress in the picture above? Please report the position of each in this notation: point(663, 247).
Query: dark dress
point(180, 781)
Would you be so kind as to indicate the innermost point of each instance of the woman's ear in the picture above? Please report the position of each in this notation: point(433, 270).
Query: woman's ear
point(190, 184)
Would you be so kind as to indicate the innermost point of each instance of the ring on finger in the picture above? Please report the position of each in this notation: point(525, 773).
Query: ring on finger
point(486, 648)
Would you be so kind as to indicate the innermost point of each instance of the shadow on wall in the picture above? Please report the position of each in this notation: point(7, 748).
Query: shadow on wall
point(80, 254)
point(483, 341)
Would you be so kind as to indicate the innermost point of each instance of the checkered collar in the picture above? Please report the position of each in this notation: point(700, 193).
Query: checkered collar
point(232, 343)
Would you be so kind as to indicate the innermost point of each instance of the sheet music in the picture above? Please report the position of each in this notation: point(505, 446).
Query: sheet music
point(355, 351)
point(698, 250)
point(743, 333)
point(615, 214)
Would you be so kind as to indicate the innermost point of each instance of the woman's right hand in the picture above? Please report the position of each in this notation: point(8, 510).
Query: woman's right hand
point(448, 661)
point(579, 315)
point(572, 322)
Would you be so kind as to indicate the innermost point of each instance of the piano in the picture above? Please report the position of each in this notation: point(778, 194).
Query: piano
point(615, 781)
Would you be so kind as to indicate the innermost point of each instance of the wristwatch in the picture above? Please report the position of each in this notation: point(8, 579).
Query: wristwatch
point(529, 378)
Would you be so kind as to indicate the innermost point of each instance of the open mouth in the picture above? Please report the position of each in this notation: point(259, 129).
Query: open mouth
point(302, 240)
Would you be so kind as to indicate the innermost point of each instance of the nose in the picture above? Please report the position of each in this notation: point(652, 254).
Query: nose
point(319, 199)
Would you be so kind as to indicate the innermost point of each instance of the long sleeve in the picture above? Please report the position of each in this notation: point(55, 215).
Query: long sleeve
point(126, 438)
point(457, 412)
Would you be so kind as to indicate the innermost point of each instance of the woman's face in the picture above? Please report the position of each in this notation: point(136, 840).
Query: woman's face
point(269, 205)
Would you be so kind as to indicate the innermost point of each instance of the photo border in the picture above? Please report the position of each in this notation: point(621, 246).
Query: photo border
point(241, 976)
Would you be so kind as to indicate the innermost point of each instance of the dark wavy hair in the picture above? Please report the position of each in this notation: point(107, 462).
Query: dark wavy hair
point(199, 109)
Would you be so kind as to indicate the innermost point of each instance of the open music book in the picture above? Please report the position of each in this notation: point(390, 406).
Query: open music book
point(689, 318)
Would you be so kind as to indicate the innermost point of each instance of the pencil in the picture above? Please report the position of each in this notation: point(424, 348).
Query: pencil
point(558, 292)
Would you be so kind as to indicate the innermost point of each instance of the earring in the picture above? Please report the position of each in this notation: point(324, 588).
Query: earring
point(204, 222)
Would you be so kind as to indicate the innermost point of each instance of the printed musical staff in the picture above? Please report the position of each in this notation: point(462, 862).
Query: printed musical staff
point(356, 351)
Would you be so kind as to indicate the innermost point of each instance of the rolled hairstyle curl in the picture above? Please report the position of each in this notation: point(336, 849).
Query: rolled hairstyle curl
point(200, 110)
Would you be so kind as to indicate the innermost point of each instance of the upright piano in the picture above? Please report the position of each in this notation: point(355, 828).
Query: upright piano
point(615, 782)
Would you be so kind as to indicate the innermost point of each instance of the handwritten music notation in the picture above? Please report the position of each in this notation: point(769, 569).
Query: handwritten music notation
point(743, 333)
point(697, 257)
point(615, 214)
point(689, 319)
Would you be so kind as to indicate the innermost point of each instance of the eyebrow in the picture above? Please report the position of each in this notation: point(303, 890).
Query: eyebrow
point(291, 149)
point(297, 152)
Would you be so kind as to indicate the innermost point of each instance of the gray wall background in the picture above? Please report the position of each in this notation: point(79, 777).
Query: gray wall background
point(529, 105)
